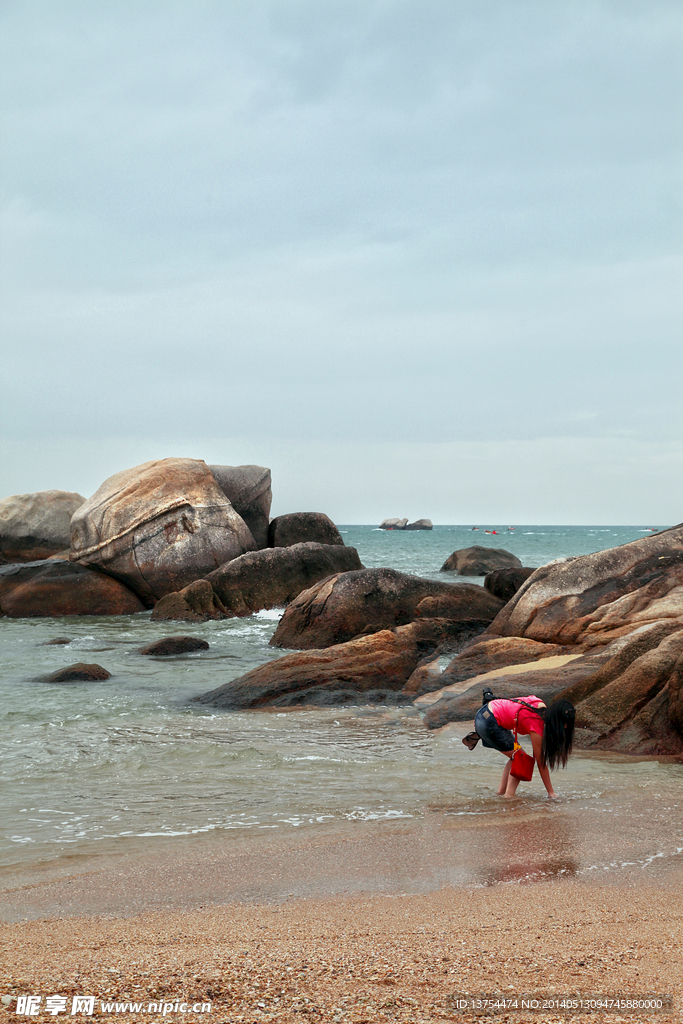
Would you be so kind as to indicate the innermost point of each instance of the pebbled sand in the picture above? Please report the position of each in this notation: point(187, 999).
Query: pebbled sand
point(367, 959)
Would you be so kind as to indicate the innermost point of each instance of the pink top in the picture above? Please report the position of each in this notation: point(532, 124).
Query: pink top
point(505, 711)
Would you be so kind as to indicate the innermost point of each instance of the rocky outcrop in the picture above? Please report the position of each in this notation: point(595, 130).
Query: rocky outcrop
point(347, 604)
point(36, 526)
point(47, 588)
point(393, 524)
point(301, 528)
point(248, 489)
point(495, 654)
point(195, 603)
point(370, 668)
point(479, 561)
point(174, 645)
point(598, 597)
point(420, 524)
point(504, 583)
point(546, 683)
point(159, 527)
point(275, 576)
point(78, 673)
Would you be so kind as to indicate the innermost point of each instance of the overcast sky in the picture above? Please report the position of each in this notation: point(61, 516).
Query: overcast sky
point(421, 257)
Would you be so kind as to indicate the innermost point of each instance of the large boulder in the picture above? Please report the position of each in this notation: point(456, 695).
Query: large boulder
point(248, 489)
point(598, 597)
point(159, 527)
point(393, 524)
point(36, 526)
point(275, 576)
point(339, 608)
point(194, 603)
point(301, 527)
point(370, 668)
point(505, 583)
point(47, 588)
point(478, 561)
point(173, 645)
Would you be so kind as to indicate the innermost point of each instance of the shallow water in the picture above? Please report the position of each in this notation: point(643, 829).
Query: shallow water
point(131, 763)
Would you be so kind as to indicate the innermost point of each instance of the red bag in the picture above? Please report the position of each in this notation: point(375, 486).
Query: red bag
point(521, 763)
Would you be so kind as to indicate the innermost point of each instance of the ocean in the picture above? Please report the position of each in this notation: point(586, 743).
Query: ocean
point(131, 765)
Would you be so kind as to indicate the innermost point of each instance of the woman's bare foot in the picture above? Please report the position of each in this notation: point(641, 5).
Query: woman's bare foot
point(471, 740)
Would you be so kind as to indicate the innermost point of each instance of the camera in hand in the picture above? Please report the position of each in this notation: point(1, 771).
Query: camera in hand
point(487, 695)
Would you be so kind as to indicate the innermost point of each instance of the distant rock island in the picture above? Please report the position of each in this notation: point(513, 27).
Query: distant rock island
point(403, 524)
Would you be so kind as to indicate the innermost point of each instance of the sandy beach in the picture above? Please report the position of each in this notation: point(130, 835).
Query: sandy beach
point(375, 950)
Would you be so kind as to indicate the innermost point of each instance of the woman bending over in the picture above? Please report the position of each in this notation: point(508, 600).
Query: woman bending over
point(551, 731)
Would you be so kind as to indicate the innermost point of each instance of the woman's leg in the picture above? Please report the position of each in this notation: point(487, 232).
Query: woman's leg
point(512, 783)
point(502, 789)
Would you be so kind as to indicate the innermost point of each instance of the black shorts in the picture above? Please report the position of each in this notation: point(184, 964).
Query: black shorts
point(492, 734)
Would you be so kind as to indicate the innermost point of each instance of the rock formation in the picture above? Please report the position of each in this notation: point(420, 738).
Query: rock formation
point(420, 524)
point(273, 577)
point(47, 588)
point(339, 608)
point(36, 526)
point(478, 561)
point(159, 527)
point(248, 489)
point(393, 524)
point(302, 527)
point(370, 668)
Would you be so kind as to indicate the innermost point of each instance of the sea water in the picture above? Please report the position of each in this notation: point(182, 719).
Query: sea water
point(132, 763)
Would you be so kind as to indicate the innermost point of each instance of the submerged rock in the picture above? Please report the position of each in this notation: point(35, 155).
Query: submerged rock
point(479, 561)
point(48, 588)
point(159, 527)
point(80, 672)
point(302, 527)
point(36, 526)
point(248, 489)
point(368, 600)
point(174, 645)
point(273, 577)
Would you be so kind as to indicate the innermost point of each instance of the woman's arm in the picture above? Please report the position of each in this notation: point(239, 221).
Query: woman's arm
point(537, 745)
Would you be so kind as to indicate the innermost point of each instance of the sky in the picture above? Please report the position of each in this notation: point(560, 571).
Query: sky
point(420, 257)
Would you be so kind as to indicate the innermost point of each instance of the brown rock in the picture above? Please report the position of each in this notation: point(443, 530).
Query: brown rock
point(487, 655)
point(175, 645)
point(594, 598)
point(159, 527)
point(300, 527)
point(195, 603)
point(59, 641)
point(48, 588)
point(347, 604)
point(36, 526)
point(248, 490)
point(425, 678)
point(479, 561)
point(370, 668)
point(504, 583)
point(275, 576)
point(420, 524)
point(80, 672)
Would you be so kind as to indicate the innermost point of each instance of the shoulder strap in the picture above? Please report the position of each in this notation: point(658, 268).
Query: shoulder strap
point(539, 711)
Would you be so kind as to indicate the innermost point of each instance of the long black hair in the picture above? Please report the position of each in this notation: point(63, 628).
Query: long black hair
point(558, 733)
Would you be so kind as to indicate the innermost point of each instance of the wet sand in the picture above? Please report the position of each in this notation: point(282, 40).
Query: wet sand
point(368, 924)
